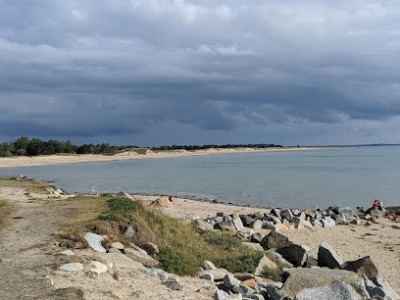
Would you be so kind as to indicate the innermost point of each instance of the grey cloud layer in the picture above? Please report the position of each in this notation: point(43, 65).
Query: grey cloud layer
point(90, 68)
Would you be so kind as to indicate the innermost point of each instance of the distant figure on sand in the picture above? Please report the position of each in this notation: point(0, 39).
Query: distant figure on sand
point(170, 198)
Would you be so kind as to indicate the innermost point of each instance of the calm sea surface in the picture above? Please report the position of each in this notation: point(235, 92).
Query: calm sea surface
point(344, 177)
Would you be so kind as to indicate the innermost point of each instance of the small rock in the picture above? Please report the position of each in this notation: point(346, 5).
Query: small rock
point(161, 274)
point(144, 259)
point(218, 274)
point(208, 265)
point(231, 283)
point(114, 250)
point(151, 248)
point(173, 284)
point(129, 233)
point(257, 224)
point(72, 267)
point(116, 295)
point(117, 245)
point(68, 252)
point(295, 254)
point(206, 292)
point(251, 283)
point(98, 268)
point(207, 276)
point(94, 241)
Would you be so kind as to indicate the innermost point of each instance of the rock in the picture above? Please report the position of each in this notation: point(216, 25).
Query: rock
point(161, 274)
point(114, 250)
point(124, 195)
point(275, 219)
point(68, 252)
point(246, 220)
point(208, 265)
point(117, 245)
point(226, 225)
point(264, 262)
point(144, 259)
point(309, 213)
point(151, 248)
point(276, 212)
point(380, 289)
point(256, 297)
point(119, 260)
point(207, 276)
point(218, 274)
point(257, 224)
point(295, 254)
point(129, 233)
point(364, 267)
point(337, 290)
point(279, 258)
point(98, 268)
point(282, 227)
point(137, 248)
point(310, 278)
point(245, 290)
point(328, 222)
point(237, 222)
point(206, 292)
point(162, 202)
point(243, 236)
point(254, 246)
point(203, 226)
point(244, 276)
point(275, 240)
point(221, 295)
point(173, 284)
point(318, 223)
point(231, 283)
point(287, 214)
point(328, 257)
point(72, 267)
point(94, 241)
point(268, 225)
point(251, 283)
point(301, 224)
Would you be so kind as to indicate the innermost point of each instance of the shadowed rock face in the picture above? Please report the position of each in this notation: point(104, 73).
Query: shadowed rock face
point(363, 267)
point(275, 240)
point(328, 257)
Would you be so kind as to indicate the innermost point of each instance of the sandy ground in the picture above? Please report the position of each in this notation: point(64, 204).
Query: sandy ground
point(45, 160)
point(29, 266)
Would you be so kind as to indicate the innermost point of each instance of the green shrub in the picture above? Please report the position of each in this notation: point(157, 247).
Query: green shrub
point(122, 204)
point(178, 262)
point(242, 262)
point(224, 241)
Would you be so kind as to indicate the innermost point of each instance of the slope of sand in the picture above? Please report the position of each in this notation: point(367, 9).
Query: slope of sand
point(45, 160)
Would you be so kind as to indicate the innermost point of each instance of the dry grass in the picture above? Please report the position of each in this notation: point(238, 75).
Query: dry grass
point(6, 209)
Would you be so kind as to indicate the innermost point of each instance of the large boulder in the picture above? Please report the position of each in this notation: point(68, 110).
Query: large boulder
point(237, 222)
point(328, 257)
point(379, 289)
point(246, 220)
point(287, 214)
point(217, 274)
point(337, 290)
point(295, 254)
point(275, 240)
point(363, 267)
point(300, 279)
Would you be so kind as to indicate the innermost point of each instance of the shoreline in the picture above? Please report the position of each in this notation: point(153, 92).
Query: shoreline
point(60, 159)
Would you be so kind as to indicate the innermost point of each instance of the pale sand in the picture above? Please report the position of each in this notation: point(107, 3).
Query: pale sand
point(46, 160)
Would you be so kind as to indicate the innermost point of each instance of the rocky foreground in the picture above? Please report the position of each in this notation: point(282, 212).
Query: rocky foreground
point(306, 275)
point(33, 260)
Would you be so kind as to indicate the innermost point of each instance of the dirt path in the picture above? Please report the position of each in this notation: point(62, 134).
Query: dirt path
point(25, 266)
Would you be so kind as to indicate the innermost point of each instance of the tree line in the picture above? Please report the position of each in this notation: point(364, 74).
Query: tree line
point(202, 147)
point(26, 147)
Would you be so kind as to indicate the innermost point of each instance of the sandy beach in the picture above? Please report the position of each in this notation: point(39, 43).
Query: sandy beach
point(47, 160)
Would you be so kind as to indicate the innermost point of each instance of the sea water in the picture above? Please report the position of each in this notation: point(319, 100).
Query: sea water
point(338, 176)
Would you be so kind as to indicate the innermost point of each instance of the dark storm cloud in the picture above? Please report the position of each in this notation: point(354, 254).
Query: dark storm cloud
point(131, 68)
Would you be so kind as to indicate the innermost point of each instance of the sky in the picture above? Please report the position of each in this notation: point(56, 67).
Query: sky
point(163, 72)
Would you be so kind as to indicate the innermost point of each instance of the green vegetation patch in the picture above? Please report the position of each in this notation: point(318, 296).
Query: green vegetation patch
point(244, 261)
point(224, 240)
